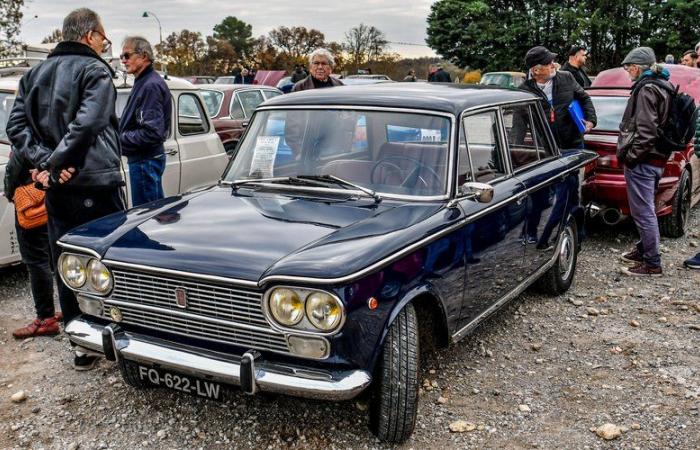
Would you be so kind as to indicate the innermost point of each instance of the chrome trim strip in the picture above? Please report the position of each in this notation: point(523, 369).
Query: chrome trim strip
point(359, 108)
point(462, 332)
point(269, 377)
point(185, 315)
point(80, 249)
point(180, 273)
point(406, 250)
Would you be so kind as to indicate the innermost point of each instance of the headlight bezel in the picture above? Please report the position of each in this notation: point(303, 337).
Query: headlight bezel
point(110, 279)
point(305, 326)
point(63, 261)
point(87, 286)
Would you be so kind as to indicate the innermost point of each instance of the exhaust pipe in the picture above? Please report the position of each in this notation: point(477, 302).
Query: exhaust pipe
point(612, 216)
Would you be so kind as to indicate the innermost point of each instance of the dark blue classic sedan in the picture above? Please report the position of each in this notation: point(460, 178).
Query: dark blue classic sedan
point(355, 227)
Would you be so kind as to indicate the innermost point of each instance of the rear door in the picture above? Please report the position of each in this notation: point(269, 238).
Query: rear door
point(202, 156)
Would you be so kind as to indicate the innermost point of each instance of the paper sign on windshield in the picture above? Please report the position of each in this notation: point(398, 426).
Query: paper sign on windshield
point(264, 156)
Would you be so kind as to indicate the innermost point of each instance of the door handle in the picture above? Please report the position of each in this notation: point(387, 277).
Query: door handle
point(520, 199)
point(171, 151)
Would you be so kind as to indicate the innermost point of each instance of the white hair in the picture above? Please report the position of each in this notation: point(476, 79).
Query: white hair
point(323, 53)
point(141, 46)
point(78, 23)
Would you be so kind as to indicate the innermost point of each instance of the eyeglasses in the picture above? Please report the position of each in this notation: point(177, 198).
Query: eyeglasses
point(106, 43)
point(320, 63)
point(127, 55)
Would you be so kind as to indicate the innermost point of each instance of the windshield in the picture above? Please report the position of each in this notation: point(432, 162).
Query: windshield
point(212, 100)
point(609, 112)
point(6, 101)
point(387, 152)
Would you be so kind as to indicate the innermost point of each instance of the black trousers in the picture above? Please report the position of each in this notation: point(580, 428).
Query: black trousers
point(36, 255)
point(69, 209)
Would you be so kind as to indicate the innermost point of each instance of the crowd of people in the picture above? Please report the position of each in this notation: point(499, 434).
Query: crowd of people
point(71, 158)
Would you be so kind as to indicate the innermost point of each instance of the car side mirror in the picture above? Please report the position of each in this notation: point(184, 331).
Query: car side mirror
point(482, 192)
point(245, 123)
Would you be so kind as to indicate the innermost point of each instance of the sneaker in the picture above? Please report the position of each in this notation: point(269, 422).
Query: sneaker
point(643, 270)
point(692, 263)
point(38, 327)
point(84, 362)
point(633, 257)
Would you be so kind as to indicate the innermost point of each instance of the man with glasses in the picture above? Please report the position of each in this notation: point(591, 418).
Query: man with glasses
point(63, 122)
point(321, 62)
point(578, 55)
point(145, 122)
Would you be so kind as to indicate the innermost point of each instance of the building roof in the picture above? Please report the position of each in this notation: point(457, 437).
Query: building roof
point(444, 97)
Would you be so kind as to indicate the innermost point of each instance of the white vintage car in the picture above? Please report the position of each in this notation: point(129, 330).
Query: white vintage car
point(195, 155)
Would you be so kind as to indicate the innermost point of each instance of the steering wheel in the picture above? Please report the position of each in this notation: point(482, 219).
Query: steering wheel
point(412, 176)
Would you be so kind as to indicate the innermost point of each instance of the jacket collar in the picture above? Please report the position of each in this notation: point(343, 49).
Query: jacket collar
point(77, 48)
point(145, 72)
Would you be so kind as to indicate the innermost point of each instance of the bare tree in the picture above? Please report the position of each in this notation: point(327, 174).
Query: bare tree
point(298, 42)
point(55, 36)
point(10, 25)
point(364, 43)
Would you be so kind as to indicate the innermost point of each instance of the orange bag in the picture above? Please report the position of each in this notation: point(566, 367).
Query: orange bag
point(29, 204)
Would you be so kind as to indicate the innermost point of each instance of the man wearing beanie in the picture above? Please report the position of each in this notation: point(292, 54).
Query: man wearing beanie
point(646, 111)
point(558, 89)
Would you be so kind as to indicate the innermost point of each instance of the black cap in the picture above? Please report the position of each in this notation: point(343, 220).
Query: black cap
point(575, 49)
point(538, 55)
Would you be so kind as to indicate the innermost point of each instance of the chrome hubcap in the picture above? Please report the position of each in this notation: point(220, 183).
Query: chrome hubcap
point(566, 254)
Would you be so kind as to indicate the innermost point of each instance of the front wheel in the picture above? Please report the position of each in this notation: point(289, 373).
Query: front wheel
point(675, 224)
point(559, 277)
point(394, 400)
point(130, 374)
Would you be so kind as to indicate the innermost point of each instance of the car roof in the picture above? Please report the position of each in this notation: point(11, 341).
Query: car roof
point(687, 78)
point(234, 87)
point(522, 74)
point(443, 97)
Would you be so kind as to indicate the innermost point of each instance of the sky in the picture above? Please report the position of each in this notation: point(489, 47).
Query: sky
point(402, 21)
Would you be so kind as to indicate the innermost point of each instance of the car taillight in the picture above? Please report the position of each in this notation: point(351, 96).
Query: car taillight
point(609, 162)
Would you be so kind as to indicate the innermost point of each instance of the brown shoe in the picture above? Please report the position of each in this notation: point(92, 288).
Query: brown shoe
point(633, 257)
point(643, 270)
point(46, 327)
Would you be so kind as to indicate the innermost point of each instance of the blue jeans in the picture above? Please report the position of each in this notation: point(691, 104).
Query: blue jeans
point(642, 183)
point(146, 180)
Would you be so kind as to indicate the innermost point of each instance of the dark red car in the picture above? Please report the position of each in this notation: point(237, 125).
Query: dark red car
point(605, 187)
point(230, 105)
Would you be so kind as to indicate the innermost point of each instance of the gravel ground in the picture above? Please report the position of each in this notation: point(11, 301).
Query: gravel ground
point(543, 373)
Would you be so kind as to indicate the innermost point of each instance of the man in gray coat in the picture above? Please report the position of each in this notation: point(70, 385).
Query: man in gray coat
point(646, 111)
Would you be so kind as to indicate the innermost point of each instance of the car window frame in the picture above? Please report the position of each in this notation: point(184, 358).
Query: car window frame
point(223, 94)
point(266, 91)
point(500, 136)
point(202, 109)
point(235, 97)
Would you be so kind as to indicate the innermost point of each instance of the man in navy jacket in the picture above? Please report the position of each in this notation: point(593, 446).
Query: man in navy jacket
point(145, 122)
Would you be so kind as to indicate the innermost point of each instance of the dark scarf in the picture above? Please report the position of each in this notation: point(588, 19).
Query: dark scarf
point(322, 84)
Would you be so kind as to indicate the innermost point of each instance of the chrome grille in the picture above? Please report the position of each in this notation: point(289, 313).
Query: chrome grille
point(216, 312)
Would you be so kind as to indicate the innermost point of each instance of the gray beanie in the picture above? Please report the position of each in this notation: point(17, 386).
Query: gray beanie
point(641, 56)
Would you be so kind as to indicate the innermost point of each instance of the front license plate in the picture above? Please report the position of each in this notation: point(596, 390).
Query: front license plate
point(182, 383)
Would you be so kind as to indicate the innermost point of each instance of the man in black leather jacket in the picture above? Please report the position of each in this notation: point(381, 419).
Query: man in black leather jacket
point(64, 123)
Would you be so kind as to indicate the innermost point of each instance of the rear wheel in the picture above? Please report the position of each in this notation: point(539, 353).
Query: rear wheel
point(675, 224)
point(394, 399)
point(559, 277)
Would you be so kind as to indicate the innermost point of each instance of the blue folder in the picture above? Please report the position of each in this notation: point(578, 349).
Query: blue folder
point(577, 115)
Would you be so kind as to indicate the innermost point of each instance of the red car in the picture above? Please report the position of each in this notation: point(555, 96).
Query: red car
point(605, 188)
point(231, 105)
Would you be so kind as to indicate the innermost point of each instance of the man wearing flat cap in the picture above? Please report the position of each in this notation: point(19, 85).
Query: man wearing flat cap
point(577, 60)
point(646, 111)
point(558, 89)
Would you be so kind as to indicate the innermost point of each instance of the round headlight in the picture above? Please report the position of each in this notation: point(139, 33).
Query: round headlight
point(286, 306)
point(323, 311)
point(73, 271)
point(100, 278)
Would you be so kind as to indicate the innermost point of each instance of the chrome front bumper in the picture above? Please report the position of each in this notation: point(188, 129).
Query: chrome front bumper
point(250, 371)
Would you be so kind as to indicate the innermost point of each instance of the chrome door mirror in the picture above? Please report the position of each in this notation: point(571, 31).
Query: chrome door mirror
point(482, 192)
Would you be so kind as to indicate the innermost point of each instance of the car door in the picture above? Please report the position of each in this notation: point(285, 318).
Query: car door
point(202, 156)
point(494, 254)
point(533, 158)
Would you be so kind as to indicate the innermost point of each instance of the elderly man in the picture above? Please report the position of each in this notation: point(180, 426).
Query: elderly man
point(578, 55)
point(647, 110)
point(690, 59)
point(558, 89)
point(321, 62)
point(69, 133)
point(145, 122)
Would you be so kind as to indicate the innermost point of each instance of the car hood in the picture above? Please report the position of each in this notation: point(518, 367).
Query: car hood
point(250, 235)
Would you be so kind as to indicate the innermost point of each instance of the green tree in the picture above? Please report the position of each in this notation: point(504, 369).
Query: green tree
point(238, 33)
point(10, 25)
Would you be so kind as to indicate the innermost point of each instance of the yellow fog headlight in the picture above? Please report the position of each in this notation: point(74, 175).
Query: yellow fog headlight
point(323, 311)
point(73, 271)
point(286, 306)
point(100, 278)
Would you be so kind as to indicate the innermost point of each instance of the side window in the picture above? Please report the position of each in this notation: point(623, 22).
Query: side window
point(484, 146)
point(464, 167)
point(272, 94)
point(544, 147)
point(191, 118)
point(524, 145)
point(250, 100)
point(236, 108)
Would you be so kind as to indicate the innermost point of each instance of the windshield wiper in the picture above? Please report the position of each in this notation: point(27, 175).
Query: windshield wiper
point(336, 180)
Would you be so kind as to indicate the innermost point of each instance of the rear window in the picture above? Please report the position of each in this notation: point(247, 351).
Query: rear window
point(609, 111)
